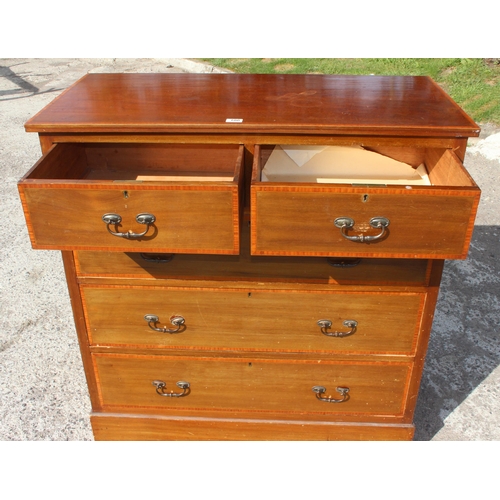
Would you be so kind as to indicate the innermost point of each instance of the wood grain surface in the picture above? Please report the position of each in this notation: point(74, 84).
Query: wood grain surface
point(280, 386)
point(124, 427)
point(254, 320)
point(328, 104)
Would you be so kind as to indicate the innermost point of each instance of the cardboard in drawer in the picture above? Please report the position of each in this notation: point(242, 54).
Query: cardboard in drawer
point(135, 197)
point(365, 217)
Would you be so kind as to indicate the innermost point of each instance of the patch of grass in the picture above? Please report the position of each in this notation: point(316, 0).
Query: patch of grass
point(473, 83)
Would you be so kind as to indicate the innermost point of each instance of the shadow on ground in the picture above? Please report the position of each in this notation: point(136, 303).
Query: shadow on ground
point(21, 87)
point(465, 342)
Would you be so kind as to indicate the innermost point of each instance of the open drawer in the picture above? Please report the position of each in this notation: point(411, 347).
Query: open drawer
point(373, 218)
point(172, 198)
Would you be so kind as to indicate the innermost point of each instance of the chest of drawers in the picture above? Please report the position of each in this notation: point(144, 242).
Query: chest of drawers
point(211, 303)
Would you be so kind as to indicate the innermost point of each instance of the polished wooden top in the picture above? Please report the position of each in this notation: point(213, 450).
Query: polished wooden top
point(301, 104)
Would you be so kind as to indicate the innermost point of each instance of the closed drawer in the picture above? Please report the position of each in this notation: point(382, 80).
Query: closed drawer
point(77, 195)
point(335, 219)
point(253, 320)
point(227, 384)
point(243, 267)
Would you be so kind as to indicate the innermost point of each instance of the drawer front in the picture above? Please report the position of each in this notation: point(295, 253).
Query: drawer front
point(421, 224)
point(254, 320)
point(82, 198)
point(227, 384)
point(401, 272)
point(187, 221)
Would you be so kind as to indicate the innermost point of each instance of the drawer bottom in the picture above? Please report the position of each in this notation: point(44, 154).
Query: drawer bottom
point(113, 427)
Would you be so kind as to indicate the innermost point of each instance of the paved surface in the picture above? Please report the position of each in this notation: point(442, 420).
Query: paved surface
point(43, 394)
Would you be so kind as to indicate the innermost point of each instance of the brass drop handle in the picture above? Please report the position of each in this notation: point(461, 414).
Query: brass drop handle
point(162, 386)
point(116, 219)
point(324, 324)
point(345, 223)
point(320, 390)
point(177, 321)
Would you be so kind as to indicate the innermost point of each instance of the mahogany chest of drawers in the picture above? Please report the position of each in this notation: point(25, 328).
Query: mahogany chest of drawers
point(212, 302)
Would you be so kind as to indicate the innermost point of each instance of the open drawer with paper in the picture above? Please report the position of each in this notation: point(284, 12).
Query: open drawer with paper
point(401, 202)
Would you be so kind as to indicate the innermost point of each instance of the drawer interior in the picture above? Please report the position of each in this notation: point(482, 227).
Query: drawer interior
point(357, 165)
point(140, 162)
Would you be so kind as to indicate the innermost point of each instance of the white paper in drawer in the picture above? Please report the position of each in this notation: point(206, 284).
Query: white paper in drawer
point(339, 164)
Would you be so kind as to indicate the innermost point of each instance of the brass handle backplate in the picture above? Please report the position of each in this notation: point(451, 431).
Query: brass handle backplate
point(162, 386)
point(320, 390)
point(345, 223)
point(115, 220)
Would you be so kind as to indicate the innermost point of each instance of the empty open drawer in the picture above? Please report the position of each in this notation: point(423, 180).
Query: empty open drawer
point(135, 197)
